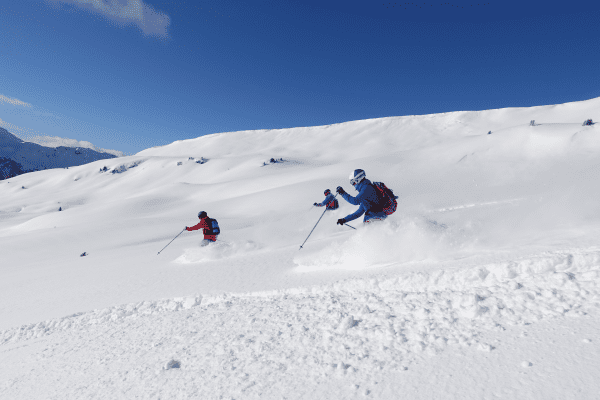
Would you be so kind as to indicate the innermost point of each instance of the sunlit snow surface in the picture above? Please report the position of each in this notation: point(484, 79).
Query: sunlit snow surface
point(484, 284)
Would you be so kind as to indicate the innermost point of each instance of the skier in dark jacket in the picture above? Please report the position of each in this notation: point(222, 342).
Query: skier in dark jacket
point(208, 228)
point(330, 201)
point(367, 199)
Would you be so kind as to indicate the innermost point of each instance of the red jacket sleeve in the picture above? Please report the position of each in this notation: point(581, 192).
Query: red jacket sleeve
point(199, 225)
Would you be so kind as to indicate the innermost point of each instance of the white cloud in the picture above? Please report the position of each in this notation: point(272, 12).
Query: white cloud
point(149, 20)
point(14, 102)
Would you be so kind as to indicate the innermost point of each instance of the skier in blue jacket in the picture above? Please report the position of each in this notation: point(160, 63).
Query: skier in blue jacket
point(367, 199)
point(330, 201)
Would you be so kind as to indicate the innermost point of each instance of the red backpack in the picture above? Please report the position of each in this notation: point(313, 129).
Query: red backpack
point(333, 205)
point(388, 199)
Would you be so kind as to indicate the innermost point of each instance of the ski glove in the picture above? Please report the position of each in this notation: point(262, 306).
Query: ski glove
point(315, 204)
point(340, 190)
point(341, 221)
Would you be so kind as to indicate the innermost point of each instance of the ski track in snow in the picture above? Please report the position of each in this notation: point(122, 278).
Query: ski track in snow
point(251, 345)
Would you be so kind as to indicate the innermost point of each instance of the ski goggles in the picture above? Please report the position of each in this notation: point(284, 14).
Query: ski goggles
point(356, 180)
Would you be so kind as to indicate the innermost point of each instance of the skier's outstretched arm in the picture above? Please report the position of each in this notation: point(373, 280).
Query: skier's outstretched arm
point(352, 200)
point(199, 225)
point(194, 228)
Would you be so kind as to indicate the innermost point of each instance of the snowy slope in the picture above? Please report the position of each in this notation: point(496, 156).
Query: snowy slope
point(492, 252)
point(18, 157)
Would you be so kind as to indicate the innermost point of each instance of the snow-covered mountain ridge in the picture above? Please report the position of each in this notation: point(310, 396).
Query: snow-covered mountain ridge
point(18, 156)
point(55, 141)
point(493, 252)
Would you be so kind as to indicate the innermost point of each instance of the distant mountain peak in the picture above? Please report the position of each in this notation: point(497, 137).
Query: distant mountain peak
point(7, 137)
point(18, 156)
point(55, 141)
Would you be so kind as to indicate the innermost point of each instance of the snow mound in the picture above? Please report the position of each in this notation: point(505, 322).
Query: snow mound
point(216, 251)
point(454, 305)
point(357, 328)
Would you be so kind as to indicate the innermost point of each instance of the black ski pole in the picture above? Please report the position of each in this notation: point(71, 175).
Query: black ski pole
point(172, 240)
point(315, 226)
point(350, 226)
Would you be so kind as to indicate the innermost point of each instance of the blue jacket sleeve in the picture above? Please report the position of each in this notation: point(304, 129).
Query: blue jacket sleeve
point(352, 200)
point(355, 214)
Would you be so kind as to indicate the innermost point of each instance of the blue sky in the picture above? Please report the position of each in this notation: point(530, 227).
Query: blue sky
point(131, 74)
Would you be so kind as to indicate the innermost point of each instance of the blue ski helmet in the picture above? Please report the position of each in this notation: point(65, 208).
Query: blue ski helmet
point(326, 192)
point(202, 214)
point(356, 176)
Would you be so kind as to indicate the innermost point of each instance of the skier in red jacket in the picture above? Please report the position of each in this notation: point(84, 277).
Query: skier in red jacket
point(210, 228)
